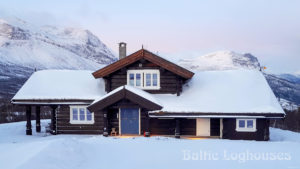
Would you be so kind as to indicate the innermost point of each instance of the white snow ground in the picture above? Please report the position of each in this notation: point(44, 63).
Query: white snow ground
point(18, 151)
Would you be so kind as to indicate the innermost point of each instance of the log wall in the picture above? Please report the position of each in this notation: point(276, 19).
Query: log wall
point(169, 82)
point(64, 126)
point(261, 134)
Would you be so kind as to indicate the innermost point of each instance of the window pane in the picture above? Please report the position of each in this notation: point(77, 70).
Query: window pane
point(131, 79)
point(82, 114)
point(242, 123)
point(148, 79)
point(88, 115)
point(154, 79)
point(75, 113)
point(249, 123)
point(138, 79)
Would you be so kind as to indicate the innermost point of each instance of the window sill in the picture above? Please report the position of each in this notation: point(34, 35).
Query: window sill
point(150, 88)
point(82, 122)
point(245, 130)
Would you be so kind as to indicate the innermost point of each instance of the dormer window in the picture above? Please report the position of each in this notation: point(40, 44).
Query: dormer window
point(145, 79)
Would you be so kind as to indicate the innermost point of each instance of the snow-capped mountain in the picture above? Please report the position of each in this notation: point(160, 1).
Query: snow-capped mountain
point(286, 86)
point(221, 60)
point(51, 47)
point(285, 89)
point(25, 47)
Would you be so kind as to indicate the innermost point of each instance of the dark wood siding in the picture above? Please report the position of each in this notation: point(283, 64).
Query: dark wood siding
point(162, 126)
point(167, 126)
point(113, 120)
point(169, 82)
point(188, 127)
point(262, 133)
point(214, 127)
point(65, 127)
point(144, 114)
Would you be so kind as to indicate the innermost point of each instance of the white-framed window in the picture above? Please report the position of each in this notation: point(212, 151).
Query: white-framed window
point(144, 79)
point(81, 115)
point(246, 125)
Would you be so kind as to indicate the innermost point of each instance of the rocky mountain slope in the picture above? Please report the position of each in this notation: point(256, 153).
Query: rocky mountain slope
point(286, 86)
point(25, 48)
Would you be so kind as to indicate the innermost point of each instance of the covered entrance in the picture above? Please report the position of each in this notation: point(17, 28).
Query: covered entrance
point(125, 111)
point(129, 121)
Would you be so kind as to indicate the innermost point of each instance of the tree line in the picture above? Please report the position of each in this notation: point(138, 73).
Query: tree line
point(290, 122)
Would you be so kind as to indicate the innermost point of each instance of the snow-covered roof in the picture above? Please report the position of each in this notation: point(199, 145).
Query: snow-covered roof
point(134, 90)
point(230, 91)
point(61, 85)
point(143, 94)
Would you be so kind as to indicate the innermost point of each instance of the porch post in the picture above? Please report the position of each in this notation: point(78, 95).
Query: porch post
point(177, 129)
point(38, 119)
point(28, 118)
point(105, 129)
point(147, 131)
point(53, 120)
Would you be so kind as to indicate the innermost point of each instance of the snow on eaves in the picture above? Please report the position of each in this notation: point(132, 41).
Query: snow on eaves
point(143, 94)
point(134, 90)
point(61, 85)
point(230, 91)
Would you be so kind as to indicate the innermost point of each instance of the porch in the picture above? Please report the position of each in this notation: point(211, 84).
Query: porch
point(36, 109)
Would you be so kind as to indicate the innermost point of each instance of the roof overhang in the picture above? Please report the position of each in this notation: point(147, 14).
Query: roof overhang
point(161, 114)
point(124, 92)
point(143, 54)
point(45, 102)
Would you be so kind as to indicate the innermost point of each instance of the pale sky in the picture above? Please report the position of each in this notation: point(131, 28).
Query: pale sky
point(270, 30)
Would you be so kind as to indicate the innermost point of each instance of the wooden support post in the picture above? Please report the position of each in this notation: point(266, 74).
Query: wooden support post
point(177, 129)
point(38, 119)
point(147, 130)
point(53, 120)
point(28, 117)
point(105, 129)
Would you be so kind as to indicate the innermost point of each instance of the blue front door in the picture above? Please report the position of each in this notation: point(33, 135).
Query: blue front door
point(129, 121)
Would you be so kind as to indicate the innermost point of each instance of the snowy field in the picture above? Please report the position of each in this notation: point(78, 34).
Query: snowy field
point(44, 151)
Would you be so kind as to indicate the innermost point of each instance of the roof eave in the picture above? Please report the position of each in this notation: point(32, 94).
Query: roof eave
point(216, 114)
point(139, 55)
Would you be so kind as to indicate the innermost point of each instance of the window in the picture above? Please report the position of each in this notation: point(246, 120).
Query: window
point(148, 79)
point(131, 79)
point(81, 115)
point(138, 79)
point(144, 79)
point(154, 79)
point(246, 125)
point(75, 114)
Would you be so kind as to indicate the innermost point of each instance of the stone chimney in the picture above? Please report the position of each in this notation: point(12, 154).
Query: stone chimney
point(122, 50)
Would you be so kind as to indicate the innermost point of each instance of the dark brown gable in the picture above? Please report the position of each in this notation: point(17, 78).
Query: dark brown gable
point(124, 94)
point(143, 54)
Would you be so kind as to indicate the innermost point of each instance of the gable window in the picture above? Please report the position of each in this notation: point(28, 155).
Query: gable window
point(81, 115)
point(144, 79)
point(246, 125)
point(138, 79)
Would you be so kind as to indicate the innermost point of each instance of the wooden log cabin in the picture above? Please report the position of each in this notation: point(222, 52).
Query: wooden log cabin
point(144, 94)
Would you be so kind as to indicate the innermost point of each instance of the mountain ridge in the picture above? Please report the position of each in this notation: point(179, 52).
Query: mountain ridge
point(286, 87)
point(25, 48)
